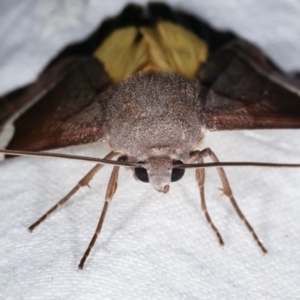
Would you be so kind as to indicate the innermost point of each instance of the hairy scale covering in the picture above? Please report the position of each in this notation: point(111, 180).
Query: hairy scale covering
point(154, 114)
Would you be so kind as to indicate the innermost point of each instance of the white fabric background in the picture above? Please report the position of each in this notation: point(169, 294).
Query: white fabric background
point(153, 246)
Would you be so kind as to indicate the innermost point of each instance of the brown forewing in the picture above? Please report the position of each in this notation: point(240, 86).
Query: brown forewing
point(16, 100)
point(71, 113)
point(242, 89)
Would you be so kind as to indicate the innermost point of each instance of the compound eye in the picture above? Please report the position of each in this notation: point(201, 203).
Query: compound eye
point(141, 174)
point(177, 173)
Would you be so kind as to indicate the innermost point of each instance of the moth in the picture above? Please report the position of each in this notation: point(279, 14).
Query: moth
point(151, 82)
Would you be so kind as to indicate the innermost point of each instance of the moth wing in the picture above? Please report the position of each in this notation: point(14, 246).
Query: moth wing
point(15, 101)
point(241, 89)
point(70, 108)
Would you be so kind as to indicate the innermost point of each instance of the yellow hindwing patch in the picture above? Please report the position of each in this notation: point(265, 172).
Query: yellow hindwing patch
point(167, 47)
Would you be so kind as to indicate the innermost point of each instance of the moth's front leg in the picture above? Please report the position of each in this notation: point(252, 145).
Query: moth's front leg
point(110, 191)
point(197, 157)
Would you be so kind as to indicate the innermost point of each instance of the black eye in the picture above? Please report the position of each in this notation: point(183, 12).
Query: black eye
point(177, 174)
point(141, 174)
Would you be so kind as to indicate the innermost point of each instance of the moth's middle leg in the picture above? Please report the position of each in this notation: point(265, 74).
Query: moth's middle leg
point(200, 173)
point(83, 182)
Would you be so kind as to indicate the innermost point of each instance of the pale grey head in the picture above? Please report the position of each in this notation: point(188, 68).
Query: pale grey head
point(154, 118)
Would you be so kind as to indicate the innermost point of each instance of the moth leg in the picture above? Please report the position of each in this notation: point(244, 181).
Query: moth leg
point(83, 182)
point(111, 189)
point(228, 192)
point(200, 177)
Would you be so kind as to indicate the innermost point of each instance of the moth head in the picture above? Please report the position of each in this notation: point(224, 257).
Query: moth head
point(159, 172)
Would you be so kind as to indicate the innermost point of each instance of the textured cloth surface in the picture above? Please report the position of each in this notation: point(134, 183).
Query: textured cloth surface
point(152, 246)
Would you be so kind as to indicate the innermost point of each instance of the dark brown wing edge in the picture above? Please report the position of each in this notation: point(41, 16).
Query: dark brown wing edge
point(70, 110)
point(241, 89)
point(13, 102)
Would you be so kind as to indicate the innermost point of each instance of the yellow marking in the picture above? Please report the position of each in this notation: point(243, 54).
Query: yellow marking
point(167, 47)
